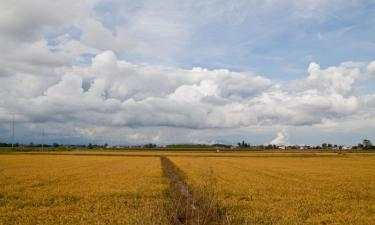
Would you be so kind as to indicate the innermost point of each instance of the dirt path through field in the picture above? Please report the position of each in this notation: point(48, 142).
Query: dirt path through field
point(189, 207)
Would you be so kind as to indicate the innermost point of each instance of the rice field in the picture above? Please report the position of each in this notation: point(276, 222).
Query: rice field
point(81, 190)
point(289, 190)
point(130, 189)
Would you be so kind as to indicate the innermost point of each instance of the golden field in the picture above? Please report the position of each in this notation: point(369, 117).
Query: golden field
point(288, 190)
point(91, 190)
point(250, 188)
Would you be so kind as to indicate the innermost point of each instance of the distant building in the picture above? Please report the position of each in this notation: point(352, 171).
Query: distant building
point(282, 147)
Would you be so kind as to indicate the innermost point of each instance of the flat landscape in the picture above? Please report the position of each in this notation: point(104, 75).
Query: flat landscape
point(289, 190)
point(254, 188)
point(81, 190)
point(197, 112)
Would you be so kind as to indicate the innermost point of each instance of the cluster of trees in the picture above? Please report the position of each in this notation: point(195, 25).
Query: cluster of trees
point(325, 145)
point(5, 144)
point(243, 144)
point(92, 146)
point(188, 146)
point(30, 145)
point(198, 146)
point(366, 144)
point(150, 145)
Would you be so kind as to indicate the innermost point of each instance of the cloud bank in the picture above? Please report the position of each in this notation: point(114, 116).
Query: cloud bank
point(110, 92)
point(100, 74)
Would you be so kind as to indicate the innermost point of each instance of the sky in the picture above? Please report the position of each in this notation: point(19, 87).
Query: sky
point(207, 71)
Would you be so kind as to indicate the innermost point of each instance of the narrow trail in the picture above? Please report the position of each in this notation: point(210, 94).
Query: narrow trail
point(190, 207)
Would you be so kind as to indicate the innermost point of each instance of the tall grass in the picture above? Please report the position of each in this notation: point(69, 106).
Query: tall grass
point(192, 206)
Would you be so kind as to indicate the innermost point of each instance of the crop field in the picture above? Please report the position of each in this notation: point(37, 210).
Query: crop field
point(81, 190)
point(150, 189)
point(288, 190)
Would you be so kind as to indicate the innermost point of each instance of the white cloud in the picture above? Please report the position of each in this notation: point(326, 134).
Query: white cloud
point(119, 93)
point(281, 138)
point(333, 80)
point(24, 19)
point(111, 94)
point(371, 68)
point(96, 35)
point(45, 77)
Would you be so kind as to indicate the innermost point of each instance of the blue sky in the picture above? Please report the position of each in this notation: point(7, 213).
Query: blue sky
point(276, 40)
point(132, 72)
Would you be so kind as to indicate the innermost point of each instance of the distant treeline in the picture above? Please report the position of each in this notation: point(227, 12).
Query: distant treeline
point(28, 145)
point(364, 145)
point(198, 146)
point(5, 145)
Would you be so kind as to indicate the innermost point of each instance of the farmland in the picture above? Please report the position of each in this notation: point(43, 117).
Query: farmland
point(133, 187)
point(81, 190)
point(289, 190)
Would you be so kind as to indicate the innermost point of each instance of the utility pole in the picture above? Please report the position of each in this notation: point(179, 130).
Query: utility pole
point(12, 131)
point(42, 139)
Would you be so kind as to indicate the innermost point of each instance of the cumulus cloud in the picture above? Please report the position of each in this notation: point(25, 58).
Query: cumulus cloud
point(281, 138)
point(333, 80)
point(68, 71)
point(118, 93)
point(371, 68)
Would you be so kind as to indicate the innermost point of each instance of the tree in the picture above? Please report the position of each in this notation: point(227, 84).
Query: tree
point(367, 144)
point(150, 145)
point(243, 144)
point(90, 146)
point(324, 145)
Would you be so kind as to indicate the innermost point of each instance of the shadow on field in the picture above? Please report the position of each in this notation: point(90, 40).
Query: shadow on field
point(199, 206)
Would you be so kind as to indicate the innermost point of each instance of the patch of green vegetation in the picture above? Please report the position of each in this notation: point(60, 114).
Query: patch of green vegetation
point(188, 146)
